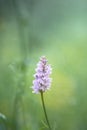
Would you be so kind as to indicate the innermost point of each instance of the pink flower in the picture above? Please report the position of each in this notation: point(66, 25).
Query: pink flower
point(42, 80)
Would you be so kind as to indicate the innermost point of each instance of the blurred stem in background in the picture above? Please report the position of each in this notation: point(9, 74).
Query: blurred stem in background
point(19, 19)
point(18, 107)
point(18, 101)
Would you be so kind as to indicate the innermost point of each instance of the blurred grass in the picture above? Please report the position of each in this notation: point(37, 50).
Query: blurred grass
point(22, 41)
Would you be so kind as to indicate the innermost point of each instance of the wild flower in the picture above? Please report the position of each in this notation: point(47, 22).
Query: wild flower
point(42, 80)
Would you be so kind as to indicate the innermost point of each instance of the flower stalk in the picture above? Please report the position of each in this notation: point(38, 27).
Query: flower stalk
point(45, 113)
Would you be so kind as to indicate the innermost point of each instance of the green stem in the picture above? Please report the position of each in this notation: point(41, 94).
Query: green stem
point(42, 98)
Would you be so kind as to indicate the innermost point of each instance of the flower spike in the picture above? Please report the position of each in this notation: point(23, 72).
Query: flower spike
point(42, 80)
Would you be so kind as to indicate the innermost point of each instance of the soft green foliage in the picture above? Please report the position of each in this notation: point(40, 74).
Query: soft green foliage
point(56, 29)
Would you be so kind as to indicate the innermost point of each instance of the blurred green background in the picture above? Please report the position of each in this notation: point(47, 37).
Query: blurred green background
point(58, 30)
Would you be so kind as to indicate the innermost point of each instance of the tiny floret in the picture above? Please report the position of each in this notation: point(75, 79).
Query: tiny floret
point(42, 80)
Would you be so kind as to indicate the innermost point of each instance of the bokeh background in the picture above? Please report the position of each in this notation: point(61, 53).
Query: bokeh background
point(58, 30)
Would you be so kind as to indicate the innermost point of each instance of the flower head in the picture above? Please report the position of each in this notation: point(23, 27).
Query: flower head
point(42, 80)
